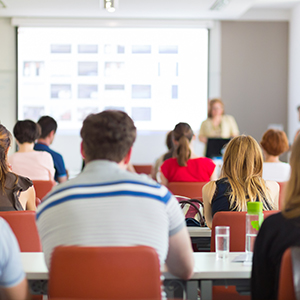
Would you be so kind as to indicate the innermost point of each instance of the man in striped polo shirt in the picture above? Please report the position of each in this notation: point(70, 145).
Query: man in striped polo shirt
point(106, 205)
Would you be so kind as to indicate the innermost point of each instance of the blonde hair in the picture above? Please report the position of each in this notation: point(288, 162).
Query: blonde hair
point(211, 104)
point(183, 134)
point(291, 208)
point(243, 163)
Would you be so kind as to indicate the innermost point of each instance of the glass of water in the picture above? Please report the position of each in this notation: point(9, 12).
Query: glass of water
point(222, 239)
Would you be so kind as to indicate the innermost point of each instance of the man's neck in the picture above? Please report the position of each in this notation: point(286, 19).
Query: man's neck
point(44, 141)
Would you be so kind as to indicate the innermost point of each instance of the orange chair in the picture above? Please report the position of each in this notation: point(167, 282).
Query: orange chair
point(143, 169)
point(286, 288)
point(104, 273)
point(186, 189)
point(43, 187)
point(282, 186)
point(24, 227)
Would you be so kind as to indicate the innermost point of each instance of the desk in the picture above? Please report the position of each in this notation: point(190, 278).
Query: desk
point(208, 271)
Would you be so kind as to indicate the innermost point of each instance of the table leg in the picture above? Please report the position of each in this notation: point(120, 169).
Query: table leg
point(206, 289)
point(192, 290)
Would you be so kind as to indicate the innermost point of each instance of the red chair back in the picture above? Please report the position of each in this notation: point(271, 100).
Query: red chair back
point(282, 186)
point(186, 189)
point(43, 187)
point(143, 169)
point(286, 281)
point(105, 273)
point(237, 223)
point(24, 227)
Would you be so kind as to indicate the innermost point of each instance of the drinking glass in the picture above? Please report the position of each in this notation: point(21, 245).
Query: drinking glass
point(222, 239)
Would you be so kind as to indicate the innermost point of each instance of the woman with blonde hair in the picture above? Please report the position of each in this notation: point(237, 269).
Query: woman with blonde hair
point(186, 166)
point(16, 192)
point(241, 181)
point(278, 232)
point(217, 125)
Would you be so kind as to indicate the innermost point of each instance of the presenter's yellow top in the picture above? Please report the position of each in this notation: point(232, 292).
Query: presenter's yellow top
point(227, 128)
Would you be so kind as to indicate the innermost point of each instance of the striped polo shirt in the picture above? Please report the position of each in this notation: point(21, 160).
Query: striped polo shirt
point(108, 206)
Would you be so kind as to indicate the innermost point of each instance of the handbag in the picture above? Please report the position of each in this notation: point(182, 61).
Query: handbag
point(193, 211)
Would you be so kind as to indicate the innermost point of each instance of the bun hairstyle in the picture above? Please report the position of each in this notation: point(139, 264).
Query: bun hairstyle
point(183, 134)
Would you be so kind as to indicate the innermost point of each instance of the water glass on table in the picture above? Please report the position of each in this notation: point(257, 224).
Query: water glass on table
point(222, 239)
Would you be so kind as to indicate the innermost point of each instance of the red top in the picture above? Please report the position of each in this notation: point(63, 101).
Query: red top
point(197, 170)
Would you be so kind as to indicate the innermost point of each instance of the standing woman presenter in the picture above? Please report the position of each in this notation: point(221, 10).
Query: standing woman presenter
point(217, 125)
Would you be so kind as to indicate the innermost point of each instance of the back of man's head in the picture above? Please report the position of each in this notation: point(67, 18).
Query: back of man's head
point(107, 135)
point(47, 124)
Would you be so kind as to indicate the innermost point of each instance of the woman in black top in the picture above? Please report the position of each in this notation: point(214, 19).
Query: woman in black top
point(278, 232)
point(241, 181)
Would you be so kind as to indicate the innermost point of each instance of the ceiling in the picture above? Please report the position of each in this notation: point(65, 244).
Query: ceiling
point(141, 9)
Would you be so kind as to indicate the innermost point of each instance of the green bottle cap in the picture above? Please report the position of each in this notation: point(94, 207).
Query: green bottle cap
point(254, 207)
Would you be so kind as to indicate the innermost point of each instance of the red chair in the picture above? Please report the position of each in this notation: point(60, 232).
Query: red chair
point(186, 189)
point(143, 169)
point(24, 227)
point(105, 273)
point(43, 187)
point(282, 186)
point(286, 288)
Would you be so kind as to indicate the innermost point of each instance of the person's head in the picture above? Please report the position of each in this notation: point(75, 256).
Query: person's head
point(292, 195)
point(215, 108)
point(274, 142)
point(242, 165)
point(107, 135)
point(26, 131)
point(183, 135)
point(48, 125)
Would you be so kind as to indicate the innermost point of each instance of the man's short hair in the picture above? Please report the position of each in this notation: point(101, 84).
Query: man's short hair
point(107, 135)
point(47, 124)
point(26, 131)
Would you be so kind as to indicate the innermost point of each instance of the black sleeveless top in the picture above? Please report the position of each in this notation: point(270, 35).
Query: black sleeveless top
point(220, 200)
point(9, 198)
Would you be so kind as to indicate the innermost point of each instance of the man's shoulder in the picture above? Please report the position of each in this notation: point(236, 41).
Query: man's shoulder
point(42, 147)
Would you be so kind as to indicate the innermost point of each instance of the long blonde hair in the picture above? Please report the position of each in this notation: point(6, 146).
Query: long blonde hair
point(242, 166)
point(291, 208)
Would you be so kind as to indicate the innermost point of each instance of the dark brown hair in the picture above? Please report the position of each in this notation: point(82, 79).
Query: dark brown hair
point(47, 124)
point(26, 131)
point(183, 134)
point(107, 135)
point(274, 142)
point(211, 104)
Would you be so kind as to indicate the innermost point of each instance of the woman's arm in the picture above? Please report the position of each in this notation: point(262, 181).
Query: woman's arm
point(274, 189)
point(27, 199)
point(163, 179)
point(202, 138)
point(207, 194)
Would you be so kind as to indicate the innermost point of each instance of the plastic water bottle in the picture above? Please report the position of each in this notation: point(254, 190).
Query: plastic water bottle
point(254, 218)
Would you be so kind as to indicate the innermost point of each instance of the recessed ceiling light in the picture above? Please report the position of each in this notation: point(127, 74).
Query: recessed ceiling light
point(220, 4)
point(2, 5)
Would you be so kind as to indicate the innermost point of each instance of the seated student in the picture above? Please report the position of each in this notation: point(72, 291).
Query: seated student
point(240, 181)
point(186, 166)
point(36, 165)
point(16, 192)
point(13, 284)
point(105, 205)
point(277, 233)
point(274, 143)
point(49, 126)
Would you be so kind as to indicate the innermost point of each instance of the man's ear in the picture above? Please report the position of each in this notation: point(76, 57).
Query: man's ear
point(82, 150)
point(127, 157)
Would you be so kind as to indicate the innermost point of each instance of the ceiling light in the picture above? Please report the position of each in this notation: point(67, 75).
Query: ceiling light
point(110, 5)
point(220, 4)
point(2, 5)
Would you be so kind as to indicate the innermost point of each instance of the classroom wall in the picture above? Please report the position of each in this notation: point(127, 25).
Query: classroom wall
point(254, 80)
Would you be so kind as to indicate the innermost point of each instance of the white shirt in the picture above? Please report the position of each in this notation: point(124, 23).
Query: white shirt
point(276, 171)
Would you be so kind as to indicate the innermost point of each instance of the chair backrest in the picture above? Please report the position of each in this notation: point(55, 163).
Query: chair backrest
point(187, 189)
point(42, 187)
point(104, 273)
point(286, 280)
point(24, 227)
point(237, 223)
point(143, 169)
point(282, 186)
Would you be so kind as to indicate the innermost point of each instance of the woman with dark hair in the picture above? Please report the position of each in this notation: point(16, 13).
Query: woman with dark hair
point(274, 143)
point(16, 192)
point(186, 166)
point(36, 165)
point(277, 233)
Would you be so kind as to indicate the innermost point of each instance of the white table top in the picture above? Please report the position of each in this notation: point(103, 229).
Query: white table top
point(206, 267)
point(199, 231)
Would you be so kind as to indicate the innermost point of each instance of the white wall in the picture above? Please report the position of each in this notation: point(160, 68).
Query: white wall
point(294, 73)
